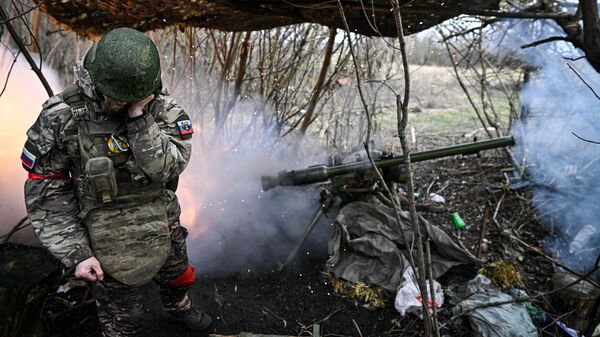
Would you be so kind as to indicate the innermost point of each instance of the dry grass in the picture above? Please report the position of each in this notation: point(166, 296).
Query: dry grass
point(439, 107)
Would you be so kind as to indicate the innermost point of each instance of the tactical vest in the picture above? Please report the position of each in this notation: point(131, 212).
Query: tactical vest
point(124, 211)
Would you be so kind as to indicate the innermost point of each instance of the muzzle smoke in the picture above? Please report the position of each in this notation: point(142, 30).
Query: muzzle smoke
point(233, 225)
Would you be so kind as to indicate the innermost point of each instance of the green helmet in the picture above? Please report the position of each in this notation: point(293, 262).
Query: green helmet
point(124, 65)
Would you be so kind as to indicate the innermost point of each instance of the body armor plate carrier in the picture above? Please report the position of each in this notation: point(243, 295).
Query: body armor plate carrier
point(125, 213)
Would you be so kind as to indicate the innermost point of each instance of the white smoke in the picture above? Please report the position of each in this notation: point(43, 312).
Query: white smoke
point(564, 169)
point(234, 226)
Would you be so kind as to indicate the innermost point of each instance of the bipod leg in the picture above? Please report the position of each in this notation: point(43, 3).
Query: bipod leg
point(325, 204)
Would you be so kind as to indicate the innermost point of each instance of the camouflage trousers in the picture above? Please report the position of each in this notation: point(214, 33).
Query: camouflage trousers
point(119, 306)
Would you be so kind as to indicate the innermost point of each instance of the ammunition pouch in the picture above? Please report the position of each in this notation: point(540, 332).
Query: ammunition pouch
point(101, 179)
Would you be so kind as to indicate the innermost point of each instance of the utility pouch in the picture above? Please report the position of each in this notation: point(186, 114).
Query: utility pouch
point(138, 177)
point(101, 177)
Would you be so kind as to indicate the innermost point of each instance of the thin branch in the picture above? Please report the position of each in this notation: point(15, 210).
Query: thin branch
point(9, 72)
point(574, 58)
point(240, 71)
point(464, 87)
point(23, 223)
point(358, 77)
point(33, 37)
point(585, 140)
point(8, 20)
point(25, 52)
point(471, 30)
point(546, 40)
point(402, 116)
point(429, 264)
point(584, 81)
point(357, 328)
point(383, 83)
point(392, 195)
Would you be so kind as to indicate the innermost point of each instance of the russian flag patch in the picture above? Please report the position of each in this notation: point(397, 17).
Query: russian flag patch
point(28, 159)
point(185, 127)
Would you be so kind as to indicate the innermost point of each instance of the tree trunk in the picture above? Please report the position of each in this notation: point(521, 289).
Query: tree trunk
point(316, 93)
point(591, 32)
point(27, 275)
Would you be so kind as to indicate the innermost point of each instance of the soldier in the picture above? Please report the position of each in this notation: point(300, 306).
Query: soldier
point(103, 159)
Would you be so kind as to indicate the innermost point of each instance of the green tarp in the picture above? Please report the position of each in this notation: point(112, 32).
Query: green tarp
point(367, 246)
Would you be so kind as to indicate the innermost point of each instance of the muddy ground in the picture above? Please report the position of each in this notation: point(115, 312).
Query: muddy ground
point(290, 302)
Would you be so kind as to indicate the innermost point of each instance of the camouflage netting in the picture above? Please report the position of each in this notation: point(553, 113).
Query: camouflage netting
point(97, 17)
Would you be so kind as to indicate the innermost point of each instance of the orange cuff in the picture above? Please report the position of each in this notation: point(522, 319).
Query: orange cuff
point(184, 279)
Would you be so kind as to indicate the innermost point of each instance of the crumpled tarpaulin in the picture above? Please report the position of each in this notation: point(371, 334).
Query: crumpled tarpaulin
point(488, 320)
point(507, 320)
point(367, 246)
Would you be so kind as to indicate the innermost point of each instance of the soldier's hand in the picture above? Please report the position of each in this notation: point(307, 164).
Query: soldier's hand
point(135, 108)
point(89, 270)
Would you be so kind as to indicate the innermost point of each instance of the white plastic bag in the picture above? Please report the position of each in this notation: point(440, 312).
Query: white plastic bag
point(437, 198)
point(408, 298)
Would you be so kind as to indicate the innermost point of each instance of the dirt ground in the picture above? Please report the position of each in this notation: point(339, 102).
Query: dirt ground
point(290, 302)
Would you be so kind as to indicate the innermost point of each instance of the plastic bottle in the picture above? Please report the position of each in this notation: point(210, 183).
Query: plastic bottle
point(582, 238)
point(457, 221)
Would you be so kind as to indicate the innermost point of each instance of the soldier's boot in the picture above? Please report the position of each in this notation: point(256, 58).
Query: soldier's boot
point(178, 308)
point(194, 319)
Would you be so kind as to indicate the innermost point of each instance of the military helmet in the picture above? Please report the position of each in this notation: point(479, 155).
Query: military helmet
point(124, 65)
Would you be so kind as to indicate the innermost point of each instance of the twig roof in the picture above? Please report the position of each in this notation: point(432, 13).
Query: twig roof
point(97, 17)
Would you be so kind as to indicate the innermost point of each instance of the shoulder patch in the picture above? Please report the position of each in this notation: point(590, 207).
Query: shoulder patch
point(184, 125)
point(29, 156)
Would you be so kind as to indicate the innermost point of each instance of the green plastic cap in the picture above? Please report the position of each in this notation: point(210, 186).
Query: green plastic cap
point(457, 221)
point(124, 65)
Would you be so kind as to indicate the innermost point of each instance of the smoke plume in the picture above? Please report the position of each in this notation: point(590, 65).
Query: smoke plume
point(233, 225)
point(556, 105)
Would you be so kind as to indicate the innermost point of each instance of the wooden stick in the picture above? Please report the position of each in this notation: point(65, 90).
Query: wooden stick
point(357, 328)
point(483, 230)
point(436, 329)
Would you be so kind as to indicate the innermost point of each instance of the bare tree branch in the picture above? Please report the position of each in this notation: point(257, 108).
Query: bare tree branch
point(33, 38)
point(585, 140)
point(584, 81)
point(402, 116)
point(25, 52)
point(9, 72)
point(546, 40)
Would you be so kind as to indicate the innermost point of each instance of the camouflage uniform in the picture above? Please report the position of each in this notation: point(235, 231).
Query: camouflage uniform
point(135, 232)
